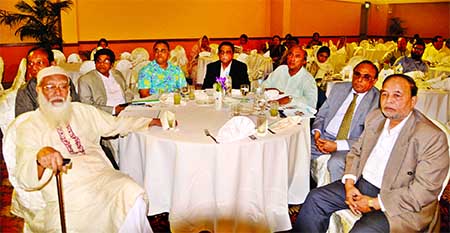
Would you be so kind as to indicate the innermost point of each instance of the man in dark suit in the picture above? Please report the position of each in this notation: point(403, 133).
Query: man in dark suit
point(225, 66)
point(330, 118)
point(393, 174)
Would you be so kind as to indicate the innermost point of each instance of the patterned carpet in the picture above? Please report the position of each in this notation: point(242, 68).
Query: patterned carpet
point(159, 223)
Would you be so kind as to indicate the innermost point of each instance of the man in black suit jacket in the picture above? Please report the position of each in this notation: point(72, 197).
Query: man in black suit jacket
point(226, 65)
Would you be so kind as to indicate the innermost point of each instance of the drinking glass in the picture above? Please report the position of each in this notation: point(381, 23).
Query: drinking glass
point(261, 124)
point(191, 92)
point(245, 88)
point(235, 109)
point(171, 123)
point(176, 97)
point(274, 105)
point(185, 91)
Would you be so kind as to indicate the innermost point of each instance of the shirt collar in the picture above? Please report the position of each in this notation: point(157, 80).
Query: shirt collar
point(398, 127)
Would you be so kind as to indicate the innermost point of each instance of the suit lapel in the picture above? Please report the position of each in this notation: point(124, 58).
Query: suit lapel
point(398, 153)
point(338, 99)
point(363, 107)
point(100, 85)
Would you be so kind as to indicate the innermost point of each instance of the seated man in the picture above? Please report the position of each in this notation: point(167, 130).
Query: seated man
point(431, 52)
point(26, 98)
point(314, 41)
point(393, 173)
point(105, 88)
point(400, 51)
point(293, 79)
point(225, 66)
point(97, 198)
point(340, 120)
point(414, 61)
point(160, 75)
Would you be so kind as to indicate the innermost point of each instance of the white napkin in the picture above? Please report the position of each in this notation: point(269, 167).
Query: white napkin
point(284, 123)
point(236, 128)
point(273, 95)
point(292, 109)
point(267, 54)
point(165, 116)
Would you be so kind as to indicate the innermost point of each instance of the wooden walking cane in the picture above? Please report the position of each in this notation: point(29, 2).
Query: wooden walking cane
point(58, 176)
point(62, 217)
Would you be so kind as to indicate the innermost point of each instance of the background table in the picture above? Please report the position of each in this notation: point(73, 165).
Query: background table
point(242, 186)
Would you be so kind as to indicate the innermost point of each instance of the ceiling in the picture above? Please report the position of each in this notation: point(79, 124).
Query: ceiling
point(394, 1)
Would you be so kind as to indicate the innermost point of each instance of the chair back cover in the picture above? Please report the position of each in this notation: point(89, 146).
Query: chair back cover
point(74, 58)
point(59, 56)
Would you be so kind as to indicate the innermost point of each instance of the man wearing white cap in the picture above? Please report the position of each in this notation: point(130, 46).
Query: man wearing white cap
point(96, 197)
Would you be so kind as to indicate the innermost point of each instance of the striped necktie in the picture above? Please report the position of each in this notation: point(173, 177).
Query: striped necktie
point(347, 121)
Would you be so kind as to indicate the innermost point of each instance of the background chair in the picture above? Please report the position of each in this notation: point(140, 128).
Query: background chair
point(74, 58)
point(59, 56)
point(2, 66)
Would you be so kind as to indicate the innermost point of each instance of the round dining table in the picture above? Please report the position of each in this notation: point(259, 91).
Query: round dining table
point(240, 186)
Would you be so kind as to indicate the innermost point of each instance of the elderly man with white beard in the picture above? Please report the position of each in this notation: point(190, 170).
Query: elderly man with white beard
point(97, 198)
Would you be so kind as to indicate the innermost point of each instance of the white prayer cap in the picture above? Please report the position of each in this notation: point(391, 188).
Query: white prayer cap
point(51, 70)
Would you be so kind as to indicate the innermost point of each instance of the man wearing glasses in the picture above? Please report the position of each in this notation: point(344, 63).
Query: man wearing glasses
point(26, 98)
point(160, 75)
point(226, 66)
point(340, 120)
point(414, 61)
point(104, 88)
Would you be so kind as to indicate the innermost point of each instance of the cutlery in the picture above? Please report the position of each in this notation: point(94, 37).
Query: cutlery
point(252, 137)
point(209, 135)
point(271, 131)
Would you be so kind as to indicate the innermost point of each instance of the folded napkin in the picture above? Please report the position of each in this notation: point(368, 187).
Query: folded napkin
point(267, 54)
point(236, 128)
point(273, 95)
point(285, 123)
point(299, 109)
point(165, 117)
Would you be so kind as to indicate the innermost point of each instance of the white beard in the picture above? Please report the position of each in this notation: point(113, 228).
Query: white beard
point(58, 114)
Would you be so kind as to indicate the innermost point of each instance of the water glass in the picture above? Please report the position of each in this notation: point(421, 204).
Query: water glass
point(261, 125)
point(172, 124)
point(191, 92)
point(274, 105)
point(235, 109)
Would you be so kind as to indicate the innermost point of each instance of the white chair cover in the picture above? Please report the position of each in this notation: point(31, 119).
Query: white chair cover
point(139, 55)
point(59, 56)
point(125, 67)
point(86, 66)
point(22, 203)
point(214, 49)
point(343, 220)
point(74, 58)
point(319, 170)
point(178, 56)
point(19, 80)
point(125, 56)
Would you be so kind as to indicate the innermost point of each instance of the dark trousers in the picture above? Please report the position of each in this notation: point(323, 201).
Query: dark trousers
point(321, 202)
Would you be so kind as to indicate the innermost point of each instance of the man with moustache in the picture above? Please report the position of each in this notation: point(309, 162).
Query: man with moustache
point(293, 79)
point(96, 197)
point(226, 66)
point(401, 50)
point(414, 61)
point(393, 174)
point(160, 75)
point(26, 98)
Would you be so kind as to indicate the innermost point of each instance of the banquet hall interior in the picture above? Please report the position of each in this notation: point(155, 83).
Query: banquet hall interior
point(368, 29)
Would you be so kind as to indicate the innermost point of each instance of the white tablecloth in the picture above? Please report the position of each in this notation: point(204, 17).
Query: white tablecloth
point(241, 186)
point(435, 72)
point(435, 104)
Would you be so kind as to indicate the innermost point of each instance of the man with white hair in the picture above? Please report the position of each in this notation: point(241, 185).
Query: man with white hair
point(97, 197)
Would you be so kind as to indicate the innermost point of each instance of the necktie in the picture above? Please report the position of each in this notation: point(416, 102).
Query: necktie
point(347, 121)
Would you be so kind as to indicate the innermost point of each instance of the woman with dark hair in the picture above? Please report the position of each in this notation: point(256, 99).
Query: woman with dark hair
point(320, 66)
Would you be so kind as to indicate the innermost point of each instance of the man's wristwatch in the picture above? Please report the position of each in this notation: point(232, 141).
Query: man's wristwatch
point(370, 204)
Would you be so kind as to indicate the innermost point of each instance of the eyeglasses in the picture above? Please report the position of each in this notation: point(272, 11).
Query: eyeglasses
point(222, 52)
point(160, 51)
point(52, 88)
point(365, 77)
point(104, 61)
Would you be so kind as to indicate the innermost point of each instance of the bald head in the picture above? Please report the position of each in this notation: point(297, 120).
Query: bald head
point(296, 59)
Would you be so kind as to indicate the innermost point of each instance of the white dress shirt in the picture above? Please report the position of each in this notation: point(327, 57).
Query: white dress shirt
point(225, 72)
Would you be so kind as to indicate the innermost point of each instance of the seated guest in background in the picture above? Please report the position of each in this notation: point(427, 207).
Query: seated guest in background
point(26, 98)
point(432, 51)
point(341, 42)
point(276, 50)
point(414, 61)
point(101, 44)
point(291, 42)
point(243, 43)
point(444, 52)
point(225, 66)
point(293, 79)
point(393, 173)
point(391, 56)
point(201, 46)
point(412, 41)
point(104, 87)
point(320, 65)
point(314, 41)
point(286, 39)
point(96, 197)
point(340, 120)
point(160, 75)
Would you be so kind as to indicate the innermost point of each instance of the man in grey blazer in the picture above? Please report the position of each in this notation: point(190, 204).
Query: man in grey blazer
point(104, 88)
point(393, 174)
point(330, 117)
